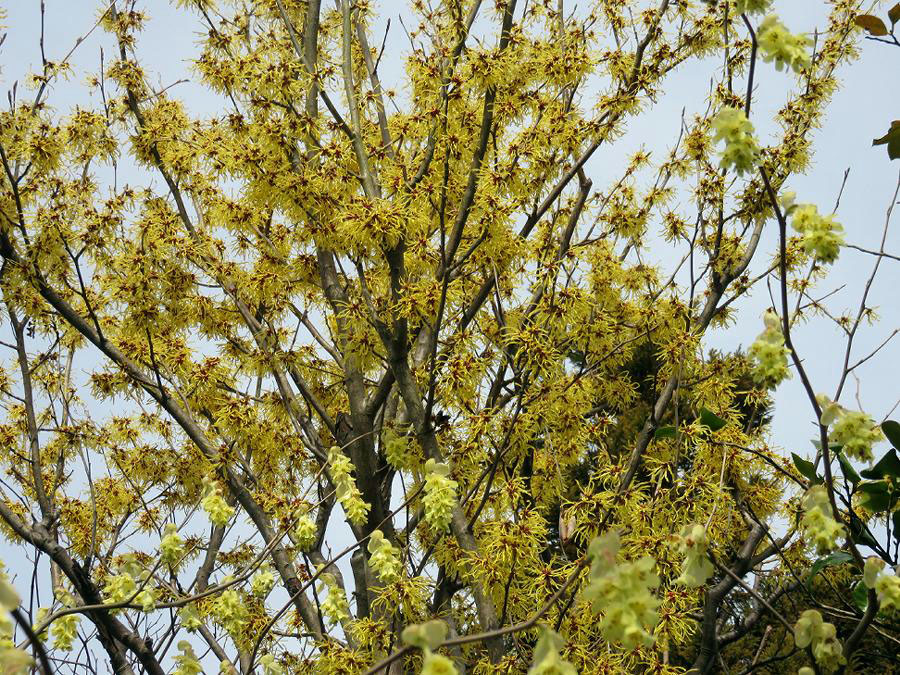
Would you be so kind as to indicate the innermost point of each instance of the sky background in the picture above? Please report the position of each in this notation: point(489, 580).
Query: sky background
point(862, 110)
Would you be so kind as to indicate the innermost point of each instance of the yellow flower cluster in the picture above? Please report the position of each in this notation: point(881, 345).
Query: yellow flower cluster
point(347, 493)
point(810, 630)
point(818, 522)
point(622, 592)
point(440, 495)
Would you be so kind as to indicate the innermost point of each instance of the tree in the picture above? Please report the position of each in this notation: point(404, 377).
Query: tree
point(364, 383)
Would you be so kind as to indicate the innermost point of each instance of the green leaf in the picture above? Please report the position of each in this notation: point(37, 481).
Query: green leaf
point(891, 429)
point(834, 447)
point(831, 560)
point(888, 465)
point(891, 139)
point(664, 432)
point(860, 595)
point(895, 521)
point(871, 24)
point(849, 472)
point(875, 495)
point(859, 535)
point(894, 13)
point(806, 468)
point(710, 419)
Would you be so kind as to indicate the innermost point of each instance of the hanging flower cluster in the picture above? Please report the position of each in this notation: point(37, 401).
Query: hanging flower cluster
point(214, 504)
point(750, 6)
point(440, 495)
point(770, 356)
point(886, 586)
point(547, 660)
point(384, 558)
point(622, 591)
point(741, 150)
point(305, 532)
point(778, 44)
point(14, 660)
point(857, 433)
point(124, 585)
point(171, 547)
point(818, 522)
point(428, 636)
point(190, 617)
point(230, 611)
point(822, 236)
point(347, 493)
point(186, 661)
point(334, 607)
point(696, 568)
point(262, 582)
point(810, 630)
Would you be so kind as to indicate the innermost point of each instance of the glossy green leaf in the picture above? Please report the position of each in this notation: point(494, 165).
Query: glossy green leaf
point(710, 419)
point(831, 560)
point(834, 447)
point(849, 472)
point(891, 429)
point(859, 535)
point(806, 468)
point(875, 495)
point(860, 595)
point(664, 432)
point(888, 465)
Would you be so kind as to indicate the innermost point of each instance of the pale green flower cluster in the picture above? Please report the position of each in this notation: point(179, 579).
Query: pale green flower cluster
point(124, 585)
point(872, 568)
point(622, 591)
point(810, 630)
point(186, 661)
point(347, 493)
point(231, 612)
point(305, 532)
point(64, 631)
point(440, 495)
point(428, 636)
point(778, 44)
point(818, 521)
point(547, 660)
point(214, 504)
point(13, 661)
point(770, 356)
point(696, 568)
point(190, 617)
point(396, 450)
point(857, 433)
point(822, 236)
point(262, 582)
point(334, 607)
point(270, 666)
point(171, 547)
point(437, 664)
point(887, 586)
point(750, 6)
point(384, 558)
point(741, 150)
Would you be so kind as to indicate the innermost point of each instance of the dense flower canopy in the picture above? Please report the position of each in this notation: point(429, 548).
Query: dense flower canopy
point(358, 360)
